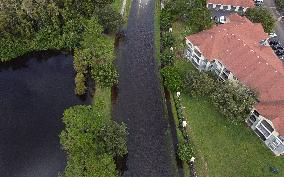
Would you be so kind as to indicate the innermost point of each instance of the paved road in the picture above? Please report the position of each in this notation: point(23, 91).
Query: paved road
point(279, 25)
point(139, 102)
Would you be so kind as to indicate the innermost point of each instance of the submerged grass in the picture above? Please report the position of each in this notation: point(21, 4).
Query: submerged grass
point(228, 149)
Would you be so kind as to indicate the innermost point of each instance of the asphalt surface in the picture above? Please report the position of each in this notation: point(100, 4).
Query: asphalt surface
point(279, 25)
point(140, 103)
point(34, 91)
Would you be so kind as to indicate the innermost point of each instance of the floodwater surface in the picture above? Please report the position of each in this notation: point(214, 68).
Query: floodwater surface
point(34, 91)
point(140, 103)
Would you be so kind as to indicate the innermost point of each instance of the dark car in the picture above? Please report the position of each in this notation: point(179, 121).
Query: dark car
point(279, 52)
point(272, 43)
point(274, 47)
point(279, 48)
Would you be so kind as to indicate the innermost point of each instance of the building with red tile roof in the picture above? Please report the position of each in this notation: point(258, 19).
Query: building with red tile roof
point(234, 50)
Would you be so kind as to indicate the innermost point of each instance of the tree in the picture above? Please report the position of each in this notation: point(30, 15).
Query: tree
point(198, 84)
point(110, 19)
point(172, 78)
point(91, 140)
point(200, 19)
point(104, 74)
point(100, 47)
point(280, 4)
point(263, 16)
point(113, 136)
point(233, 100)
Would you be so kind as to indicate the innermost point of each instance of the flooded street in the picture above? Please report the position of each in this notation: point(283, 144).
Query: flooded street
point(139, 99)
point(34, 91)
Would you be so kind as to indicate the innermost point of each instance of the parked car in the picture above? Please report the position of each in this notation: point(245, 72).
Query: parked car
point(279, 52)
point(279, 48)
point(274, 47)
point(271, 35)
point(273, 43)
point(258, 2)
point(220, 20)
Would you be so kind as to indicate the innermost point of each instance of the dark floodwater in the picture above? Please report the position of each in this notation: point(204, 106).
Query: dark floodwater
point(34, 92)
point(139, 101)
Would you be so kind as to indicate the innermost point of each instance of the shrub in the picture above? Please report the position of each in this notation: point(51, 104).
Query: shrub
point(166, 20)
point(80, 87)
point(167, 40)
point(167, 57)
point(233, 100)
point(198, 84)
point(104, 74)
point(280, 4)
point(172, 78)
point(185, 151)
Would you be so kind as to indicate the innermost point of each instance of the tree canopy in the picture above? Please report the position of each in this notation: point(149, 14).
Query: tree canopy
point(263, 16)
point(34, 25)
point(91, 140)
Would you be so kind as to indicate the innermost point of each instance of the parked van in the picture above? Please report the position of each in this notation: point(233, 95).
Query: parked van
point(258, 2)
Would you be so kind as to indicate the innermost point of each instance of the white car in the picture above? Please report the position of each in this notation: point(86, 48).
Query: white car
point(271, 35)
point(222, 19)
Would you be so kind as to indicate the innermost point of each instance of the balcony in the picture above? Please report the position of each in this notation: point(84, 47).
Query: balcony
point(195, 64)
point(224, 76)
point(265, 128)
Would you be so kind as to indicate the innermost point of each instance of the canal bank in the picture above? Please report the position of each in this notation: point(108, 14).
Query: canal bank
point(140, 103)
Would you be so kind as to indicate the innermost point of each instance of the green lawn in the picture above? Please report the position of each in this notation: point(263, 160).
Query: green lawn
point(104, 95)
point(228, 150)
point(117, 5)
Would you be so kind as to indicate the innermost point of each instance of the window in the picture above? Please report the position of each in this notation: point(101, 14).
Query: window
point(197, 59)
point(225, 7)
point(276, 142)
point(267, 125)
point(197, 52)
point(263, 130)
point(271, 146)
point(189, 44)
point(252, 118)
point(260, 134)
point(256, 113)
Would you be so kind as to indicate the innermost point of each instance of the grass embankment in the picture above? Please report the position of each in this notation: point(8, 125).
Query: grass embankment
point(104, 95)
point(157, 31)
point(157, 48)
point(179, 136)
point(117, 5)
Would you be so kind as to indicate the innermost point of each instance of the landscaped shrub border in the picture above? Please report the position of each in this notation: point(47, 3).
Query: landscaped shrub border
point(185, 148)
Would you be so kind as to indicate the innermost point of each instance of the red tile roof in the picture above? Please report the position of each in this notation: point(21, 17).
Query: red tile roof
point(242, 3)
point(236, 45)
